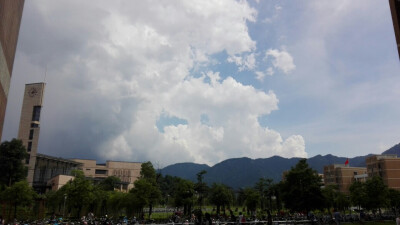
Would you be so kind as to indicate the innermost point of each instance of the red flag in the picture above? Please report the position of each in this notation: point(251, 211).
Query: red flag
point(347, 162)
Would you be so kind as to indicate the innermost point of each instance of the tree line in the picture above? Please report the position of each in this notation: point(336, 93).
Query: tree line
point(301, 190)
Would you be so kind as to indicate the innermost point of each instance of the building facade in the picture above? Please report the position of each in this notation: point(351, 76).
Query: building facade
point(395, 10)
point(55, 183)
point(343, 176)
point(53, 169)
point(29, 125)
point(387, 167)
point(10, 21)
point(127, 172)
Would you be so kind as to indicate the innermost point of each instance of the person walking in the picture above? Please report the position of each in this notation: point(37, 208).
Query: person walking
point(208, 219)
point(336, 215)
point(240, 218)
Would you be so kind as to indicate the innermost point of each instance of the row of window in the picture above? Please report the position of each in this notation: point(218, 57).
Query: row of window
point(126, 179)
point(35, 119)
point(122, 173)
point(101, 171)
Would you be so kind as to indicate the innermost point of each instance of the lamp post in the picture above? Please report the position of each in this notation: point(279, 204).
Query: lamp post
point(65, 199)
point(166, 207)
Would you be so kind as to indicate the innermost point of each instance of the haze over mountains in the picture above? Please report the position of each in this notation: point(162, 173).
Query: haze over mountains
point(245, 172)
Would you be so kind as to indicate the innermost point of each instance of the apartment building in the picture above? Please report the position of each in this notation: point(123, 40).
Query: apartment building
point(387, 167)
point(343, 176)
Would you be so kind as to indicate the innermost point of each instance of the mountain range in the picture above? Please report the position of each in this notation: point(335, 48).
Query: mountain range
point(245, 172)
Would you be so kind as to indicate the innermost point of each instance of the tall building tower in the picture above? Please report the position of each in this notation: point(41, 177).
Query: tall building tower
point(10, 20)
point(29, 125)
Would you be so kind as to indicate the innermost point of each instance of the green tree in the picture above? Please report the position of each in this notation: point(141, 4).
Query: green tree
point(116, 203)
point(358, 194)
point(376, 193)
point(184, 195)
point(12, 156)
point(394, 200)
point(79, 193)
point(99, 202)
point(302, 188)
point(334, 198)
point(167, 187)
point(264, 187)
point(342, 201)
point(252, 197)
point(276, 192)
point(52, 201)
point(220, 195)
point(146, 190)
point(110, 183)
point(19, 194)
point(148, 172)
point(201, 187)
point(240, 197)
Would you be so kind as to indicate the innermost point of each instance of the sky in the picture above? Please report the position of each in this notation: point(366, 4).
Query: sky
point(204, 81)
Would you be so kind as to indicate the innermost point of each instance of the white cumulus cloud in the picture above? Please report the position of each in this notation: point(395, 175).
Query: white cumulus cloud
point(247, 62)
point(118, 69)
point(281, 60)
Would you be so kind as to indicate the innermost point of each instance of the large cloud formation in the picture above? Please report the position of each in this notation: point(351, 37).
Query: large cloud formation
point(115, 70)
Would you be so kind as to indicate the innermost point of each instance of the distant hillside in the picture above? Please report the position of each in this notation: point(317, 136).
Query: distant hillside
point(186, 171)
point(318, 162)
point(245, 172)
point(393, 150)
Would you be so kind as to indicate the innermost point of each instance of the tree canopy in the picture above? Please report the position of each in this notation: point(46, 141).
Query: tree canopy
point(220, 195)
point(19, 194)
point(12, 157)
point(110, 183)
point(146, 191)
point(302, 188)
point(376, 192)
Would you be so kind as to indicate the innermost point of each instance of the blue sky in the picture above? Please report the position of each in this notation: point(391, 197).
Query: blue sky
point(204, 81)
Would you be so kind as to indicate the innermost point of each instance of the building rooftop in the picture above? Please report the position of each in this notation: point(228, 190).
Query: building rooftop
point(386, 156)
point(57, 159)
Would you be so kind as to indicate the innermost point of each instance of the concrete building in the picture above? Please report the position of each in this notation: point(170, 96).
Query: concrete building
point(29, 125)
point(58, 181)
point(51, 172)
point(10, 21)
point(395, 10)
point(343, 176)
point(387, 167)
point(128, 172)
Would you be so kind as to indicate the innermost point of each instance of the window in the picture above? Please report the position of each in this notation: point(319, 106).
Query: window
point(34, 125)
point(29, 146)
point(27, 160)
point(101, 171)
point(31, 134)
point(36, 113)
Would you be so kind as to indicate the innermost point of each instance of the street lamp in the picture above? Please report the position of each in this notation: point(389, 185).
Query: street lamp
point(166, 205)
point(65, 199)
